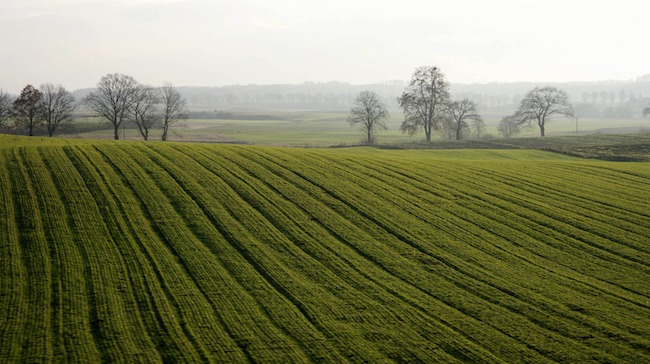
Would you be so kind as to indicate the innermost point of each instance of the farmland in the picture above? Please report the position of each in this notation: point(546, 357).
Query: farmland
point(130, 251)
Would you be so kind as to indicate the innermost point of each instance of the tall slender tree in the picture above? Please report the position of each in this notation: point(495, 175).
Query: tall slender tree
point(369, 113)
point(57, 106)
point(174, 108)
point(113, 99)
point(423, 101)
point(28, 108)
point(541, 104)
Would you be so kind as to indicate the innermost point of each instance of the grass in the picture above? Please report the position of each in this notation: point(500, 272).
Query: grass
point(162, 252)
point(322, 129)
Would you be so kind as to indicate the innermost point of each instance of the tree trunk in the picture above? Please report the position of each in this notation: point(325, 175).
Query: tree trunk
point(117, 132)
point(458, 133)
point(164, 134)
point(541, 129)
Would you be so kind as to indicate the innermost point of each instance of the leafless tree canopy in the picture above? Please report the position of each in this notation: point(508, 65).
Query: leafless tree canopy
point(174, 108)
point(28, 108)
point(113, 98)
point(423, 101)
point(369, 113)
point(5, 106)
point(540, 104)
point(460, 113)
point(508, 127)
point(57, 105)
point(143, 109)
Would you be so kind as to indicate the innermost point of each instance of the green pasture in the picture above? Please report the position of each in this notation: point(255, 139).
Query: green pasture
point(195, 252)
point(320, 129)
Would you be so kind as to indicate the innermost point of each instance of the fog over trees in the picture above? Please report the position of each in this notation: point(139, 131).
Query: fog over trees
point(5, 106)
point(423, 101)
point(541, 104)
point(370, 114)
point(113, 99)
point(613, 101)
point(58, 105)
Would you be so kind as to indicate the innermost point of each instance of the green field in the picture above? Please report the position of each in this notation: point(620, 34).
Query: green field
point(322, 129)
point(179, 252)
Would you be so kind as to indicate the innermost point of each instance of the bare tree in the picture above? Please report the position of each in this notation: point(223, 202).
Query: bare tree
point(508, 127)
point(28, 108)
point(5, 106)
point(369, 113)
point(57, 106)
point(478, 126)
point(174, 108)
point(143, 109)
point(423, 101)
point(448, 127)
point(460, 112)
point(113, 98)
point(540, 104)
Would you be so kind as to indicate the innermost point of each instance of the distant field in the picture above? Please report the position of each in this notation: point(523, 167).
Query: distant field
point(321, 129)
point(167, 252)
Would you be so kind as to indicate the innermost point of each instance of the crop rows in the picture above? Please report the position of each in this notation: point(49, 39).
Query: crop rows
point(156, 252)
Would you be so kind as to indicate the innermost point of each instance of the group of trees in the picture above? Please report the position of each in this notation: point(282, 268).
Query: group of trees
point(118, 98)
point(48, 105)
point(428, 106)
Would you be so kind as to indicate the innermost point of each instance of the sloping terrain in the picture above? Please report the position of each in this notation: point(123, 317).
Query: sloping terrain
point(185, 252)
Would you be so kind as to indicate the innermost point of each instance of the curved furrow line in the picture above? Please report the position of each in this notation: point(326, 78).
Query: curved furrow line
point(210, 260)
point(503, 285)
point(624, 175)
point(317, 242)
point(485, 243)
point(248, 233)
point(478, 203)
point(130, 232)
point(622, 222)
point(392, 194)
point(529, 215)
point(590, 187)
point(630, 323)
point(599, 185)
point(118, 332)
point(208, 309)
point(459, 302)
point(399, 287)
point(38, 338)
point(13, 275)
point(126, 285)
point(73, 340)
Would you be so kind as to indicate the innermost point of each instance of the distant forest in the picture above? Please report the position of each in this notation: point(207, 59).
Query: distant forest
point(606, 99)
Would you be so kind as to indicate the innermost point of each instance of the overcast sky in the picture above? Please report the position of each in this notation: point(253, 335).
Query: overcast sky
point(214, 43)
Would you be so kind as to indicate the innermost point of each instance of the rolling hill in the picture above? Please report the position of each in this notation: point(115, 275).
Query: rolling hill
point(150, 252)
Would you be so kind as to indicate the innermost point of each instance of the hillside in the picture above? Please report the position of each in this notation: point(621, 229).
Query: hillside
point(119, 251)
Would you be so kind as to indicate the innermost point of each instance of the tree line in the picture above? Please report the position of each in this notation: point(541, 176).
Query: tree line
point(428, 107)
point(117, 98)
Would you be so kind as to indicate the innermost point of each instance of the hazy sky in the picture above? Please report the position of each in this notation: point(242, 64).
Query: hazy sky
point(213, 43)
